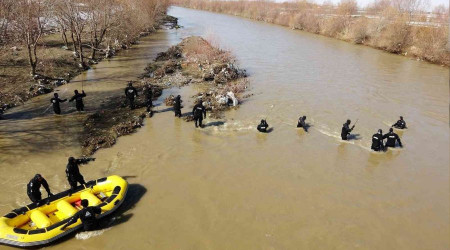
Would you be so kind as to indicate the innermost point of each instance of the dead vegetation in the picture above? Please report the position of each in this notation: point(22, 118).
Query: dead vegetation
point(114, 119)
point(396, 26)
point(196, 61)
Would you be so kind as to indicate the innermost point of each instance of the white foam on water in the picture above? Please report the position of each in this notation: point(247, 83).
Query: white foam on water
point(90, 234)
point(324, 130)
point(236, 126)
point(389, 124)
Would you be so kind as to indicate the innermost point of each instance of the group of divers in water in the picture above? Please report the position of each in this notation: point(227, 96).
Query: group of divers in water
point(88, 213)
point(377, 139)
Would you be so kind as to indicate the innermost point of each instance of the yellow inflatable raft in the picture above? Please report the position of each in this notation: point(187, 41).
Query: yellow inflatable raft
point(40, 224)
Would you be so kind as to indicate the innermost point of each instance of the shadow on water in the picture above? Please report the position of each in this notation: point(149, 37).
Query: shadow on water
point(164, 110)
point(354, 137)
point(42, 136)
point(134, 195)
point(214, 124)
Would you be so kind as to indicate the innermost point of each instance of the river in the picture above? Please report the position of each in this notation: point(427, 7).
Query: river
point(227, 186)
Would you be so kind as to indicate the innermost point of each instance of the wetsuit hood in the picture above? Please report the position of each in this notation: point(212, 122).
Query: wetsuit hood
point(85, 203)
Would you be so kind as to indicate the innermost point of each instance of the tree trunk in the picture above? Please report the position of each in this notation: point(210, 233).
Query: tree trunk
point(80, 49)
point(64, 37)
point(93, 53)
point(74, 43)
point(31, 60)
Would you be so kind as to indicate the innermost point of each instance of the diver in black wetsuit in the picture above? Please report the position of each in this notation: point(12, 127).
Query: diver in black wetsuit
point(149, 100)
point(88, 216)
point(55, 101)
point(199, 112)
point(302, 124)
point(392, 138)
point(400, 124)
point(73, 171)
point(130, 93)
point(78, 100)
point(346, 130)
point(33, 188)
point(262, 127)
point(177, 106)
point(377, 141)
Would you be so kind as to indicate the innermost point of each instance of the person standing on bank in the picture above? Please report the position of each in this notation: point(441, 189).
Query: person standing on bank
point(199, 112)
point(177, 106)
point(131, 93)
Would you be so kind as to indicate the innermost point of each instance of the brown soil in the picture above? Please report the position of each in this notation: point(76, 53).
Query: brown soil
point(114, 119)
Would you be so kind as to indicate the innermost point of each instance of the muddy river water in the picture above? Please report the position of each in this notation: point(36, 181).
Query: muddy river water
point(227, 186)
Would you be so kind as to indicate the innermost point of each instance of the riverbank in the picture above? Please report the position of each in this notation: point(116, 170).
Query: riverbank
point(58, 65)
point(193, 61)
point(388, 29)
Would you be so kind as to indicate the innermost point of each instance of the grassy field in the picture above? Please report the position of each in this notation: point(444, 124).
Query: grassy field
point(15, 78)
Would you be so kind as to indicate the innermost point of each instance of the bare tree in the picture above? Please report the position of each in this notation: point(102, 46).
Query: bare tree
point(101, 18)
point(378, 6)
point(410, 7)
point(63, 29)
point(6, 16)
point(73, 15)
point(441, 13)
point(347, 7)
point(30, 18)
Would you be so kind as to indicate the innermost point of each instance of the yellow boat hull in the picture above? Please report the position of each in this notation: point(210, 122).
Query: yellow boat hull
point(40, 224)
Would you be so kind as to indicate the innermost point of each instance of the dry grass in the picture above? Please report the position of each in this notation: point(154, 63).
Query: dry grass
point(200, 51)
point(15, 78)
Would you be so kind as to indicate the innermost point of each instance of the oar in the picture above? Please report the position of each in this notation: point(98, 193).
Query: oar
point(355, 123)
